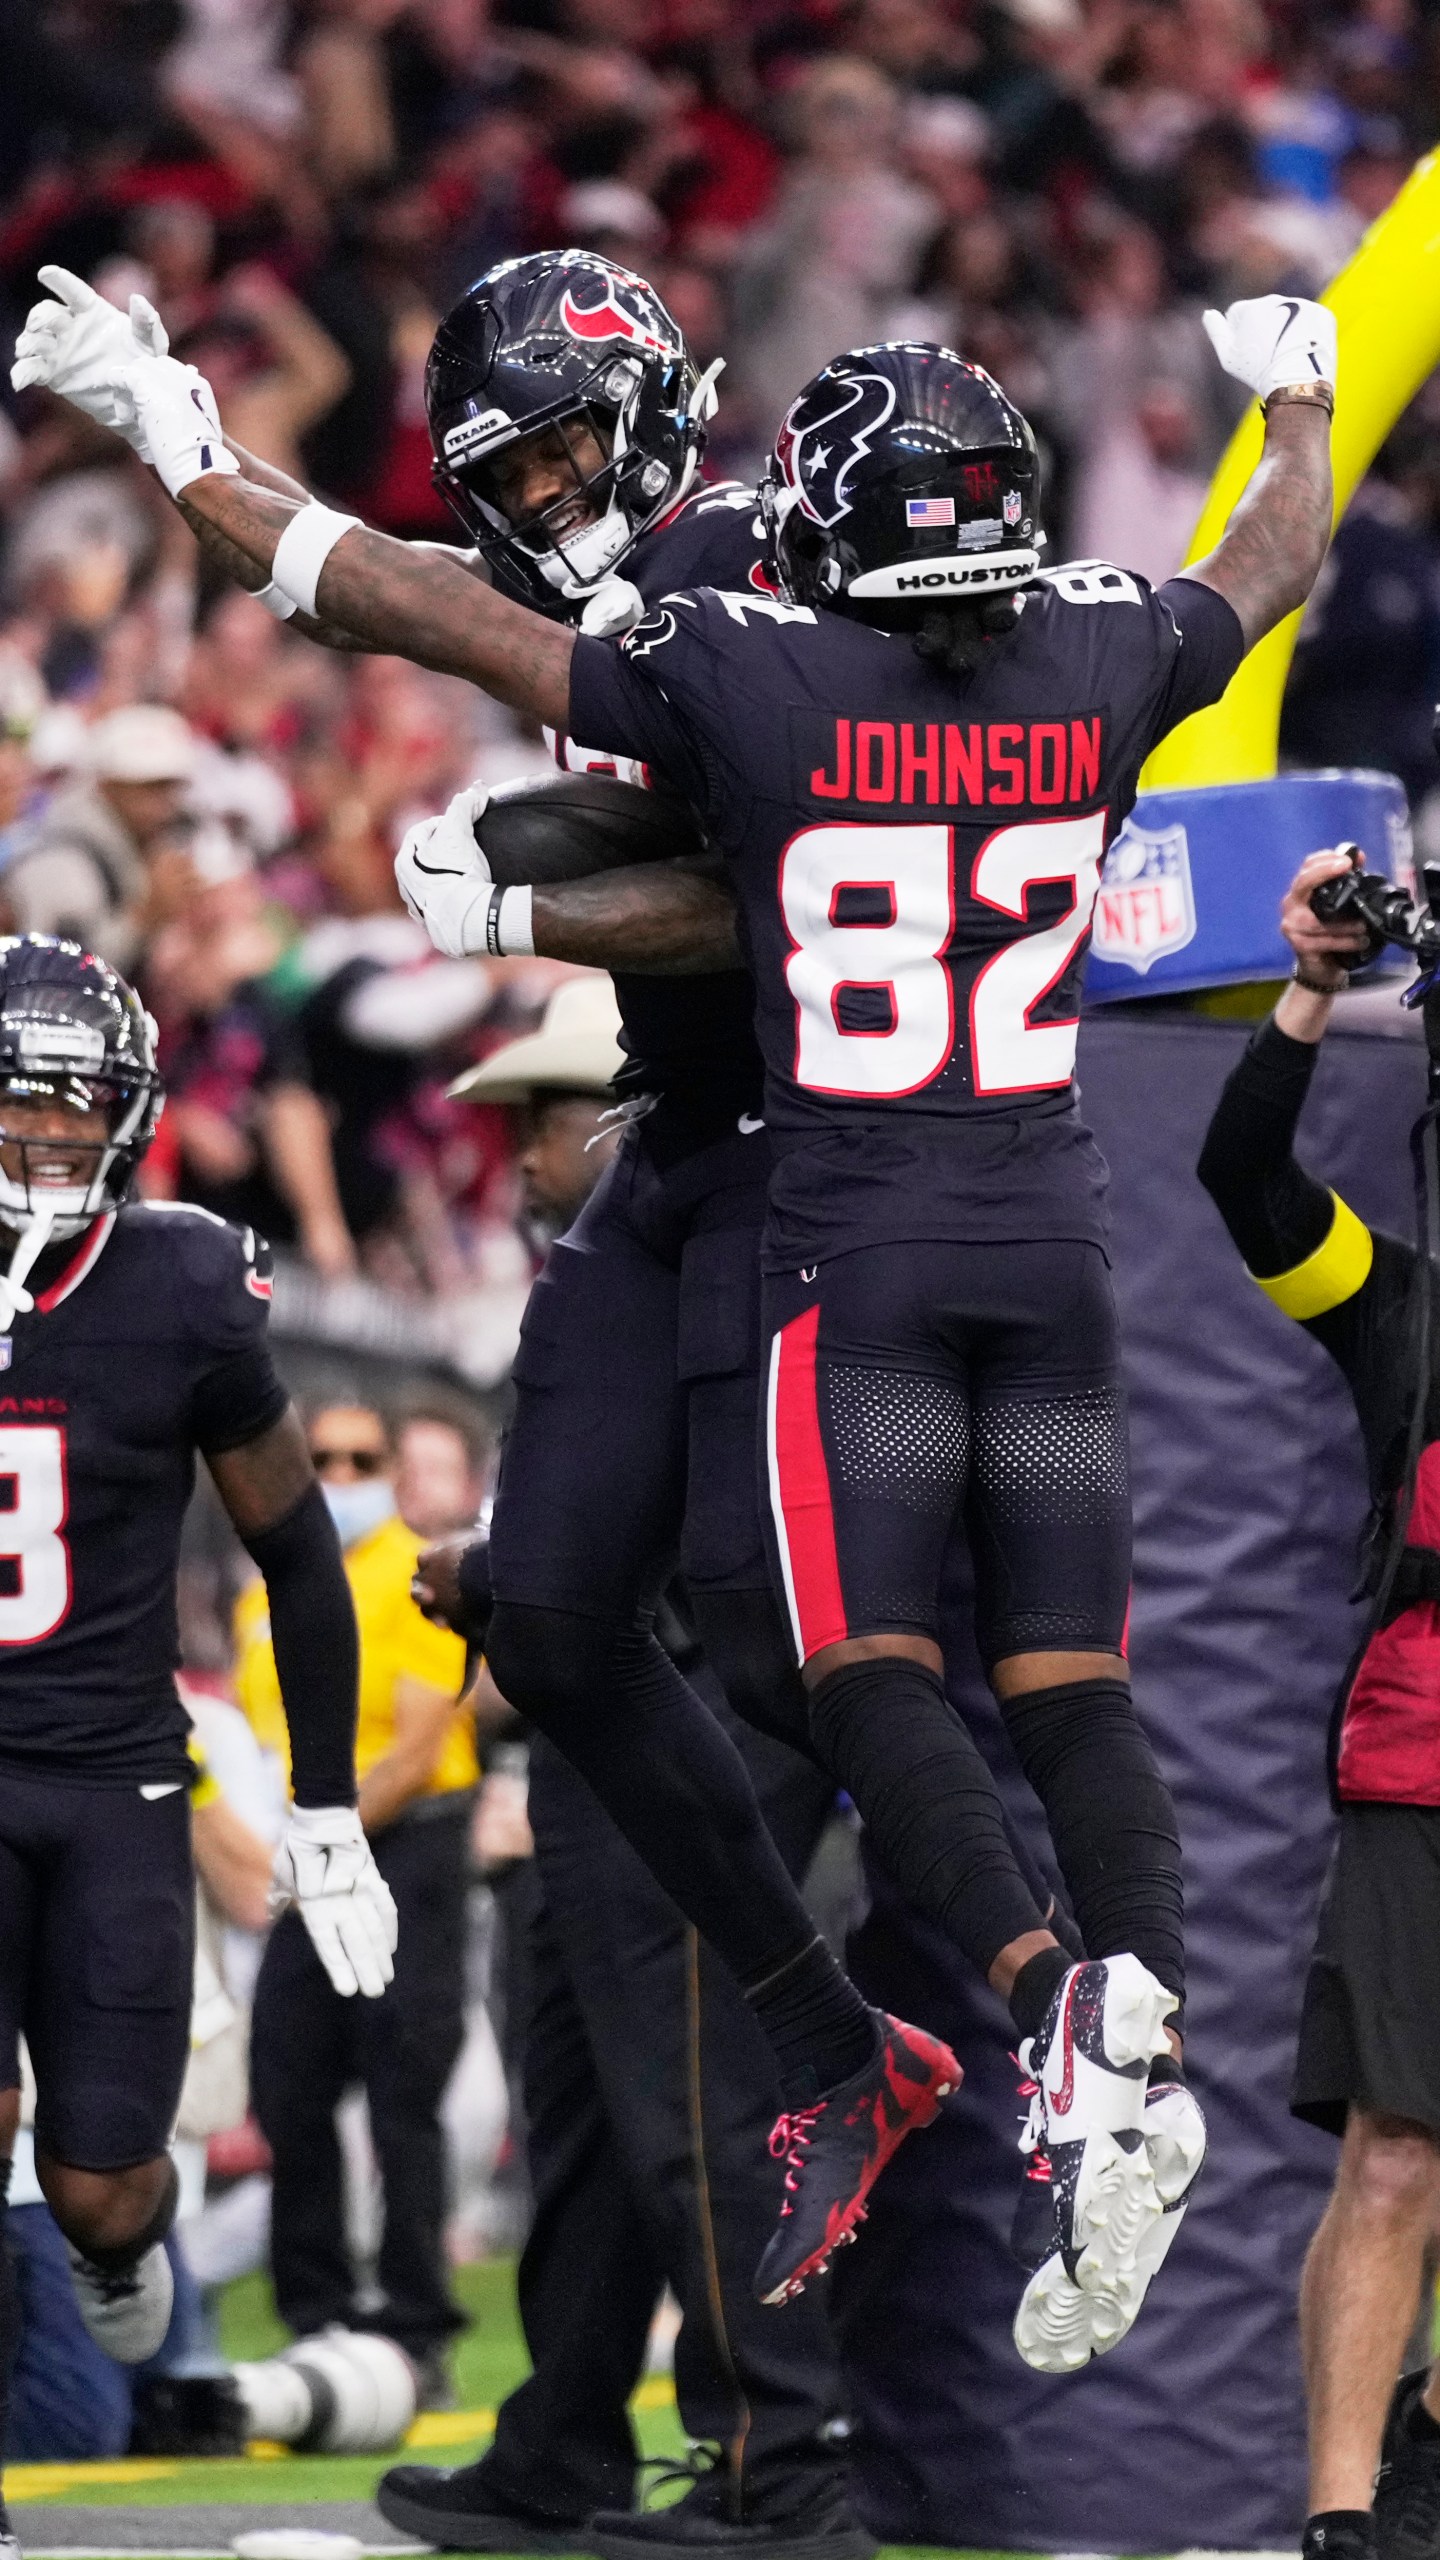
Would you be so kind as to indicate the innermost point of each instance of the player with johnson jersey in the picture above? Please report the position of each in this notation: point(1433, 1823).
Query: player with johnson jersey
point(993, 1383)
point(131, 1338)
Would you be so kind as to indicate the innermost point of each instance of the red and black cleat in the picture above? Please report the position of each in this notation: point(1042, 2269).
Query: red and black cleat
point(835, 2150)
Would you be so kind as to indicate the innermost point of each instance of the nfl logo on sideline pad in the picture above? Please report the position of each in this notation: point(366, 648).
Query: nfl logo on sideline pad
point(1146, 905)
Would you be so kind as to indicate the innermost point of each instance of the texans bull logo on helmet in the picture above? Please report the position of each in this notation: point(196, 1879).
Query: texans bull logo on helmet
point(596, 323)
point(827, 433)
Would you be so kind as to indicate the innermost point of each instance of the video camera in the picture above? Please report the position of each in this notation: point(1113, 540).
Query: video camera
point(1368, 898)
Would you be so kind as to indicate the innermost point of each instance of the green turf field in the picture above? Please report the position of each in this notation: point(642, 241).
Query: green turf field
point(489, 2359)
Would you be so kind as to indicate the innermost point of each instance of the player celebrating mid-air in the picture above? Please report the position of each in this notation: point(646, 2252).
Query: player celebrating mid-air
point(132, 1336)
point(912, 765)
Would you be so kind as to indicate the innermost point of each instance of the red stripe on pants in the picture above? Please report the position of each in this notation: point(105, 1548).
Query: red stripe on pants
point(804, 1487)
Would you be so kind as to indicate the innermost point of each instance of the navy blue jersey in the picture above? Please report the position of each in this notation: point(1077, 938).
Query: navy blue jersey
point(916, 858)
point(691, 1038)
point(146, 1343)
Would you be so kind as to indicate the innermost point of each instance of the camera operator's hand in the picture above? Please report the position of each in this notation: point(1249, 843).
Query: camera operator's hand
point(1324, 953)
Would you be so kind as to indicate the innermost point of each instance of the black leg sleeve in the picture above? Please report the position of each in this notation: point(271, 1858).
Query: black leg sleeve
point(889, 1735)
point(1089, 1760)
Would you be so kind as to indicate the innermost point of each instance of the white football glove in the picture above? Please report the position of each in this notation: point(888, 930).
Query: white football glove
point(615, 607)
point(80, 347)
point(1275, 340)
point(444, 877)
point(324, 1866)
point(119, 372)
point(176, 422)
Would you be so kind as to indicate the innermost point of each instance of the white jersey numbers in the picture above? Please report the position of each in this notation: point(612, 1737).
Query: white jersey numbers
point(870, 912)
point(34, 1558)
point(899, 881)
point(1009, 1053)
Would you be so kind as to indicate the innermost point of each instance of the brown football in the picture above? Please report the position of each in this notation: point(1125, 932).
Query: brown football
point(575, 824)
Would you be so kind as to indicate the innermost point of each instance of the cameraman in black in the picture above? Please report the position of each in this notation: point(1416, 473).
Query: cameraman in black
point(1368, 2065)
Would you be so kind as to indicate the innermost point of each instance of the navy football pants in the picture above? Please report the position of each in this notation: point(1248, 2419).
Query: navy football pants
point(635, 1387)
point(917, 1387)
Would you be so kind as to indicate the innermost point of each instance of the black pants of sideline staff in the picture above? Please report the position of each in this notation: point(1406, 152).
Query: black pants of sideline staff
point(650, 2094)
point(309, 2046)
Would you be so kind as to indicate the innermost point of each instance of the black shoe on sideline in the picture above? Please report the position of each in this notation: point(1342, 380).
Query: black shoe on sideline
point(1407, 2492)
point(808, 2517)
point(458, 2511)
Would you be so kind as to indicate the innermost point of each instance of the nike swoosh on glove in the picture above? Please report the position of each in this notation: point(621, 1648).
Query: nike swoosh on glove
point(1276, 339)
point(325, 1867)
point(444, 877)
point(79, 346)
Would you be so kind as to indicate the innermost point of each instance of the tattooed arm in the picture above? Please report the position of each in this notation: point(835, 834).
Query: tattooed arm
point(1268, 558)
point(661, 919)
point(420, 604)
point(238, 565)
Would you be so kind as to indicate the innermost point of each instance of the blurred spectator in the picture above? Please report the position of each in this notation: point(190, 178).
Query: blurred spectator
point(1367, 664)
point(108, 863)
point(415, 1755)
point(244, 1134)
point(437, 1480)
point(818, 274)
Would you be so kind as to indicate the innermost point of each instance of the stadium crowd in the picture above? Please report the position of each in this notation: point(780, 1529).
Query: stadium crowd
point(1056, 188)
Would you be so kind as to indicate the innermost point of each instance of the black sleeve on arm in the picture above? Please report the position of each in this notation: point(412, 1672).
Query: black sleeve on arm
point(1277, 1214)
point(1212, 645)
point(317, 1649)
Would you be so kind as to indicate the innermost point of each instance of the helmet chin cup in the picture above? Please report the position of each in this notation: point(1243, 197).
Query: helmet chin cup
point(576, 567)
point(70, 1204)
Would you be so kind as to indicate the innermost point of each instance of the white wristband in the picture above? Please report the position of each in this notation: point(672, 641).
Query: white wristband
point(275, 600)
point(303, 549)
point(509, 924)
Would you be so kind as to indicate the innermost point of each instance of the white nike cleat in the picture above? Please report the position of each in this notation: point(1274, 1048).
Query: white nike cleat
point(126, 2315)
point(1091, 2061)
point(1174, 2135)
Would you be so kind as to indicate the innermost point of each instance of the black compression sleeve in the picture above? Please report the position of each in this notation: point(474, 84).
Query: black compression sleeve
point(317, 1649)
point(1277, 1213)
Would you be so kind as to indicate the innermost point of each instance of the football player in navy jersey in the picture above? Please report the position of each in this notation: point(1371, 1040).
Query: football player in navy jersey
point(132, 1337)
point(912, 762)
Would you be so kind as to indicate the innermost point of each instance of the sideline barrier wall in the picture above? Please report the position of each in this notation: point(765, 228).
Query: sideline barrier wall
point(1249, 1494)
point(1190, 894)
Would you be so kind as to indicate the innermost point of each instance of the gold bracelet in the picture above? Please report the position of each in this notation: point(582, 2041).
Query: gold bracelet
point(1301, 395)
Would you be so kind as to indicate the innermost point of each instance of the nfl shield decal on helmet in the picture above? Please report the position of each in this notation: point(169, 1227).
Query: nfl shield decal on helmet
point(7, 1349)
point(1010, 506)
point(1146, 905)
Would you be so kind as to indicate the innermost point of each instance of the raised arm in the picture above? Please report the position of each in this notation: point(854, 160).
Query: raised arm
point(418, 604)
point(1268, 558)
point(1266, 562)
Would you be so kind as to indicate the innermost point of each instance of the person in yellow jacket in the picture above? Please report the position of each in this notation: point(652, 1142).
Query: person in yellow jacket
point(415, 1758)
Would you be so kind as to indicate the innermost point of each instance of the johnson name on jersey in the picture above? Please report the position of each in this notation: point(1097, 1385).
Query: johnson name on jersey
point(146, 1343)
point(916, 860)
